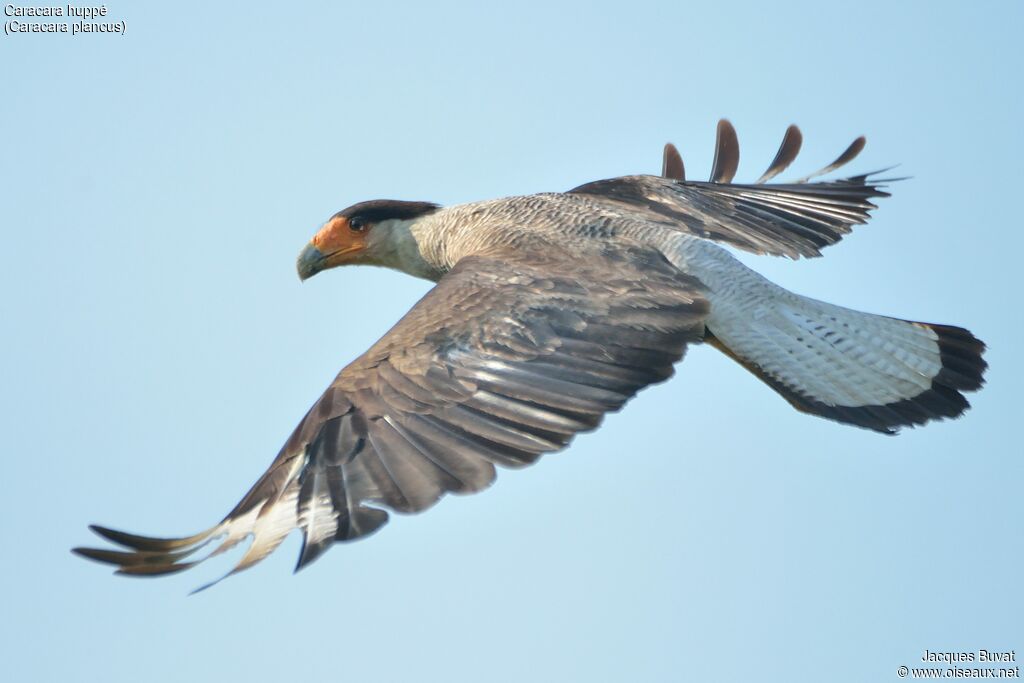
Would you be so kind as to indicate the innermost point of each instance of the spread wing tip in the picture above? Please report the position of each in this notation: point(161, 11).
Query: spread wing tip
point(727, 156)
point(147, 556)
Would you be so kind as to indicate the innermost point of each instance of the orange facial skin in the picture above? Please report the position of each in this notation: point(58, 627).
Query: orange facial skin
point(336, 241)
point(336, 244)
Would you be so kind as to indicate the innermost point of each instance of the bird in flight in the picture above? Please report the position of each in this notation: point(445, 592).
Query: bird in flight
point(553, 309)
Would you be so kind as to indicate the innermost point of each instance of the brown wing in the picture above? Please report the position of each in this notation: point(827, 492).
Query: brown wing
point(502, 361)
point(782, 219)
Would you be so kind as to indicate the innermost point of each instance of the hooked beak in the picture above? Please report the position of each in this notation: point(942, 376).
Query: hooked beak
point(310, 262)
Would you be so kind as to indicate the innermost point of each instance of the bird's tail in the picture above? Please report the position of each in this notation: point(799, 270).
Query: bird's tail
point(857, 368)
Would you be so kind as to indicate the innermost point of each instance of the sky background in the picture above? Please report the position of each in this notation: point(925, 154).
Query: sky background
point(159, 348)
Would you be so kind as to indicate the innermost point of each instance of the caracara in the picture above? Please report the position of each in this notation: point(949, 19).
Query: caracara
point(553, 309)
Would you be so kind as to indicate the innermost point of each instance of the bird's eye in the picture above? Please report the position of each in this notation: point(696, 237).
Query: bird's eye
point(356, 224)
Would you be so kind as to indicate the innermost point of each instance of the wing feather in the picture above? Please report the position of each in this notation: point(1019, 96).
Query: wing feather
point(672, 163)
point(848, 155)
point(782, 219)
point(727, 154)
point(788, 151)
point(506, 359)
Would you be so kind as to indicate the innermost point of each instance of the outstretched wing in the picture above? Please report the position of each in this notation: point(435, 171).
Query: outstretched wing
point(504, 360)
point(786, 219)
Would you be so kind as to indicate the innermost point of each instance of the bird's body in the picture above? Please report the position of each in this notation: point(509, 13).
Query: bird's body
point(577, 227)
point(554, 309)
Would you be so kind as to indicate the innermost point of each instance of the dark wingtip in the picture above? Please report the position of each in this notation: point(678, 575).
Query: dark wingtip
point(154, 570)
point(121, 538)
point(96, 555)
point(848, 155)
point(114, 557)
point(727, 153)
point(788, 151)
point(672, 163)
point(308, 555)
point(851, 152)
point(146, 543)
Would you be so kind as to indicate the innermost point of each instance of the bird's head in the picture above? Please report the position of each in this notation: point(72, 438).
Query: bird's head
point(374, 232)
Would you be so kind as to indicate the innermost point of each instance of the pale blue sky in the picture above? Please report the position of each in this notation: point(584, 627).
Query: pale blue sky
point(159, 347)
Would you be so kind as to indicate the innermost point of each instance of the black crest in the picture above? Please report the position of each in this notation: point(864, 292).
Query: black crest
point(387, 209)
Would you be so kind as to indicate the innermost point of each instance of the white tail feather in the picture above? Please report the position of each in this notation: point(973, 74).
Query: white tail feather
point(863, 369)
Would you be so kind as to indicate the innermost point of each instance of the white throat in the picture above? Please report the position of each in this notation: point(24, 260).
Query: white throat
point(395, 243)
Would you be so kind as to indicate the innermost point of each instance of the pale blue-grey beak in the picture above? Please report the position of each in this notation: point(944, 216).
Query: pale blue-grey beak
point(310, 262)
